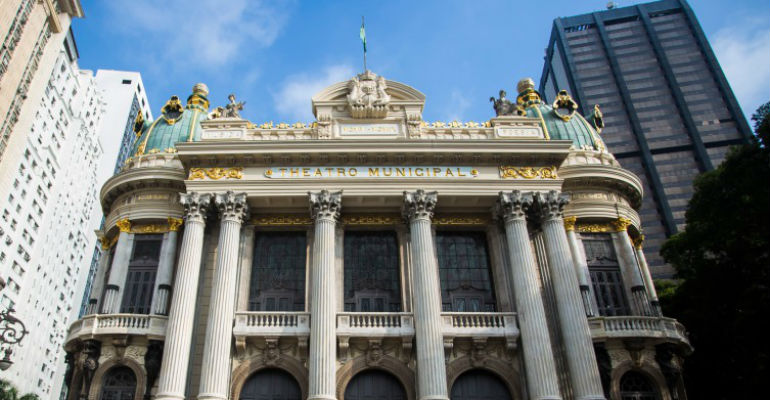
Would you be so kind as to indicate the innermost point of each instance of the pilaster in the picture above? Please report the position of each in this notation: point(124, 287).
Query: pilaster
point(581, 266)
point(119, 270)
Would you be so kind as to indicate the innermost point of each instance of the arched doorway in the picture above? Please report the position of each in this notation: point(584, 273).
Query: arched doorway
point(636, 386)
point(119, 383)
point(375, 385)
point(271, 384)
point(479, 385)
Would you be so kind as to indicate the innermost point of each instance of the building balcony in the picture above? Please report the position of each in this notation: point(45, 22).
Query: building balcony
point(271, 323)
point(659, 329)
point(480, 326)
point(96, 325)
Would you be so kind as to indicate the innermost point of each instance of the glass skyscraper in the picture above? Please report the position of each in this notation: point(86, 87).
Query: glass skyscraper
point(668, 109)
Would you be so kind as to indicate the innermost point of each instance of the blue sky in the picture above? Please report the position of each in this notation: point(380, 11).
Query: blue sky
point(276, 54)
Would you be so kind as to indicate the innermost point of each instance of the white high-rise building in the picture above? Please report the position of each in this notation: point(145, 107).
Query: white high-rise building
point(46, 227)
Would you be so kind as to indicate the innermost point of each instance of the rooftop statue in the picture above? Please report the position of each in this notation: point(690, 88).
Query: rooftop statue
point(367, 97)
point(230, 110)
point(502, 106)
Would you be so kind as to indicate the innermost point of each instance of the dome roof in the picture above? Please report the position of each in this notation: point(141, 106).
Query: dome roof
point(561, 121)
point(176, 124)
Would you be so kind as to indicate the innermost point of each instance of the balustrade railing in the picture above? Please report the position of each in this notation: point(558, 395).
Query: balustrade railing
point(376, 324)
point(637, 327)
point(480, 325)
point(153, 326)
point(271, 323)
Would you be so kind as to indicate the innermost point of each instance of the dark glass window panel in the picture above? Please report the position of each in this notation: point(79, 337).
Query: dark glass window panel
point(271, 384)
point(278, 272)
point(140, 279)
point(372, 282)
point(119, 383)
point(374, 385)
point(464, 270)
point(479, 385)
point(605, 274)
point(635, 386)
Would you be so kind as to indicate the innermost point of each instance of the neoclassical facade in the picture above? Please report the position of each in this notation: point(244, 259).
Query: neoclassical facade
point(373, 255)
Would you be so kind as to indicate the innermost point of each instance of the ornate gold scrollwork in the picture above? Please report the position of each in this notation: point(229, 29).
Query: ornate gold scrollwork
point(216, 173)
point(174, 223)
point(124, 225)
point(461, 220)
point(621, 224)
point(593, 228)
point(150, 228)
point(371, 219)
point(281, 220)
point(511, 172)
point(569, 223)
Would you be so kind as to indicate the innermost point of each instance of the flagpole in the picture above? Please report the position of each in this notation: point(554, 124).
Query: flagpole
point(362, 27)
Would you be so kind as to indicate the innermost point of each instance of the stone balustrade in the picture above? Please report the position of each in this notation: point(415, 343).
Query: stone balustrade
point(379, 324)
point(271, 323)
point(638, 327)
point(91, 326)
point(480, 325)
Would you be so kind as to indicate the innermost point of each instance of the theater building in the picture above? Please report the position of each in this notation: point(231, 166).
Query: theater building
point(373, 255)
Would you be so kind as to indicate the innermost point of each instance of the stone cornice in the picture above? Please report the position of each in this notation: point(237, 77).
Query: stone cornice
point(604, 177)
point(140, 178)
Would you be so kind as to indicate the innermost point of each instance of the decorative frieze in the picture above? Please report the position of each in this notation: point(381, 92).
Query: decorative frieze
point(281, 220)
point(511, 172)
point(445, 220)
point(216, 173)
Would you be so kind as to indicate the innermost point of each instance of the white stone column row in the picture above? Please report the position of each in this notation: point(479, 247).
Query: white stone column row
point(215, 370)
point(431, 367)
point(539, 366)
point(578, 345)
point(325, 210)
point(176, 350)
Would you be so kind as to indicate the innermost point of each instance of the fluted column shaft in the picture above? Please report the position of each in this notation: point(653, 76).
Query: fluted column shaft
point(539, 365)
point(325, 209)
point(215, 370)
point(629, 266)
point(645, 270)
point(431, 367)
point(584, 372)
point(98, 286)
point(581, 266)
point(176, 349)
point(165, 269)
point(119, 270)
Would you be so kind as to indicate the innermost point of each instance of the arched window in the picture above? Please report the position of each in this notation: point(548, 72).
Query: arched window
point(278, 272)
point(636, 386)
point(479, 385)
point(372, 282)
point(374, 385)
point(464, 269)
point(119, 383)
point(271, 384)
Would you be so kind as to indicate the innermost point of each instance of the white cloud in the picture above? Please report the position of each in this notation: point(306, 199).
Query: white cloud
point(293, 99)
point(209, 32)
point(743, 51)
point(457, 106)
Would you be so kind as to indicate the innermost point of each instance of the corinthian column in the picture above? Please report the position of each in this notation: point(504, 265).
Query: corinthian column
point(119, 271)
point(165, 268)
point(652, 292)
point(431, 368)
point(581, 265)
point(215, 371)
point(176, 350)
point(584, 373)
point(628, 265)
point(98, 282)
point(539, 366)
point(325, 210)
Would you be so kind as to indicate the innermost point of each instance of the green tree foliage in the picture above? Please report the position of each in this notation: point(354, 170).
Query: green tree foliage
point(9, 392)
point(723, 261)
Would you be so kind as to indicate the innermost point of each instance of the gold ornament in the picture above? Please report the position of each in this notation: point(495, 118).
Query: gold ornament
point(621, 224)
point(461, 220)
point(124, 225)
point(638, 241)
point(593, 228)
point(371, 219)
point(216, 173)
point(174, 224)
point(511, 172)
point(282, 220)
point(569, 223)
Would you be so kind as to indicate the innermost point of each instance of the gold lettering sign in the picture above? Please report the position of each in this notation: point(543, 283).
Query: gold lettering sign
point(370, 172)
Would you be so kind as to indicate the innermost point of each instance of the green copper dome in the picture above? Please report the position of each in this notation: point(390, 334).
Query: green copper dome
point(176, 124)
point(561, 121)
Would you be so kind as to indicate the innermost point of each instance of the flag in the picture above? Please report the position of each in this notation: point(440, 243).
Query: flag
point(362, 35)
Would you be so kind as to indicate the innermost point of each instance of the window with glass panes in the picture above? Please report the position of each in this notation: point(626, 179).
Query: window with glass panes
point(605, 274)
point(464, 270)
point(140, 280)
point(371, 263)
point(278, 272)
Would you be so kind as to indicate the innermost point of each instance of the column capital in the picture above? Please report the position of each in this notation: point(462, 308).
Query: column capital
point(513, 205)
point(621, 224)
point(419, 205)
point(124, 225)
point(569, 223)
point(638, 242)
point(551, 204)
point(232, 206)
point(174, 223)
point(195, 205)
point(325, 205)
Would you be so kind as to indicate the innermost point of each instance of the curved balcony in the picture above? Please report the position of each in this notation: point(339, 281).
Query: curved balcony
point(95, 325)
point(660, 329)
